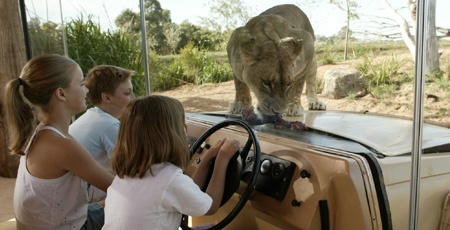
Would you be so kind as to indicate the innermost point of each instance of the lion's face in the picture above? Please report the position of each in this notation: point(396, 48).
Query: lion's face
point(271, 81)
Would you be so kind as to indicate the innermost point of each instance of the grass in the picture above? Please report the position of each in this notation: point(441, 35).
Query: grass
point(357, 50)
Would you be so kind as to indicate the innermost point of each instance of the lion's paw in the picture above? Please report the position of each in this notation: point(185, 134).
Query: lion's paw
point(317, 105)
point(236, 107)
point(294, 110)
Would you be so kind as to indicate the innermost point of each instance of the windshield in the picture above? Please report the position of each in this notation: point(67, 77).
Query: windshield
point(368, 50)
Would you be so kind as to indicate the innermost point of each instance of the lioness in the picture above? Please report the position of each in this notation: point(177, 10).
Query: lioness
point(273, 55)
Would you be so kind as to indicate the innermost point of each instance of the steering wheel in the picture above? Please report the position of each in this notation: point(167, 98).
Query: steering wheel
point(235, 170)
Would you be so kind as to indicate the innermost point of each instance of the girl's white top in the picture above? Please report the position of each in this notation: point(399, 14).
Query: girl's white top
point(59, 203)
point(154, 202)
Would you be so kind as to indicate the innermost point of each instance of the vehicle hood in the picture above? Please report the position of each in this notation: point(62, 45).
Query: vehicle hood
point(384, 135)
point(388, 135)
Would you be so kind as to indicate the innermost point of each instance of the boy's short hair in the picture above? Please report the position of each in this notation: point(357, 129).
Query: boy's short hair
point(105, 79)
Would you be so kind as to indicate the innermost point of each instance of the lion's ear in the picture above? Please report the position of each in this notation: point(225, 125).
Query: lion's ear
point(291, 46)
point(248, 44)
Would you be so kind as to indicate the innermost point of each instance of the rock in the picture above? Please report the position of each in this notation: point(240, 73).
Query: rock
point(341, 82)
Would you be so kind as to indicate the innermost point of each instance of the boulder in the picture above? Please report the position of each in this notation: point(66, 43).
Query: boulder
point(342, 82)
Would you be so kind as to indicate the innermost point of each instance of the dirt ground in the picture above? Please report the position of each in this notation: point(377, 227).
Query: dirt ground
point(214, 97)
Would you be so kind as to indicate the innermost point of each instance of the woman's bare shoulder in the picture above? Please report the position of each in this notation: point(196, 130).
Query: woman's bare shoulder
point(56, 140)
point(51, 155)
point(57, 146)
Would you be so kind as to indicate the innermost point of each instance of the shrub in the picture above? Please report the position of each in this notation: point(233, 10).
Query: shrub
point(215, 73)
point(171, 75)
point(439, 79)
point(328, 60)
point(190, 59)
point(200, 67)
point(89, 46)
point(383, 91)
point(192, 66)
point(382, 72)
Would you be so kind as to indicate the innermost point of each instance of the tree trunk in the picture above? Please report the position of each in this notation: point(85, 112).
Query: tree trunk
point(408, 39)
point(432, 43)
point(432, 54)
point(12, 59)
point(347, 31)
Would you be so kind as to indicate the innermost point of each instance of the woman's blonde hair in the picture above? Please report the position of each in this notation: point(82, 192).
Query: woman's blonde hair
point(39, 78)
point(152, 130)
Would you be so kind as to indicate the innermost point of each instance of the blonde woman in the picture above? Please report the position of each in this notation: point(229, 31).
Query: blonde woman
point(50, 192)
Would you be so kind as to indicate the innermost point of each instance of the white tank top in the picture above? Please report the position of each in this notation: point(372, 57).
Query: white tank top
point(59, 203)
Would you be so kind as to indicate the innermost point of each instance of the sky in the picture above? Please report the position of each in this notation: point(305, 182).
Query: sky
point(325, 18)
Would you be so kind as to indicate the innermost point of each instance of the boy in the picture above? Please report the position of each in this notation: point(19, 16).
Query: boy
point(110, 89)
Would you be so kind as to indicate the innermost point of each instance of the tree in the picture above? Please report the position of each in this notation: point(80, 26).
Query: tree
point(12, 59)
point(349, 7)
point(432, 54)
point(172, 33)
point(199, 37)
point(155, 18)
point(227, 15)
point(344, 33)
point(45, 38)
point(164, 36)
point(128, 21)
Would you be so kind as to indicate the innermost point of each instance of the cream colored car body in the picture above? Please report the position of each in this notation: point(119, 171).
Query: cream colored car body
point(350, 171)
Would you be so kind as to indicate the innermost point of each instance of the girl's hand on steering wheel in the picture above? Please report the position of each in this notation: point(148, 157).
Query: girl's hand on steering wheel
point(229, 148)
point(214, 150)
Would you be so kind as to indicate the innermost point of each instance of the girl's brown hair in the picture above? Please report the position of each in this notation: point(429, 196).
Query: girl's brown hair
point(39, 78)
point(152, 130)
